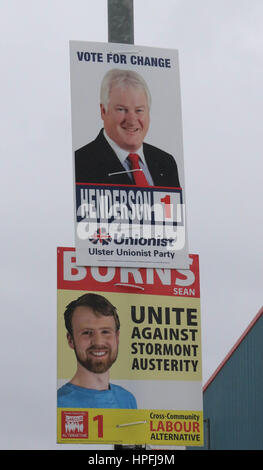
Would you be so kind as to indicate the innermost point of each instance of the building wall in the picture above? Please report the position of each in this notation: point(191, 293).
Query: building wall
point(233, 400)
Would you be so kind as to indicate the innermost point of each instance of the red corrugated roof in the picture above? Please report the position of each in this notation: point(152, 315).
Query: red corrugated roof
point(239, 341)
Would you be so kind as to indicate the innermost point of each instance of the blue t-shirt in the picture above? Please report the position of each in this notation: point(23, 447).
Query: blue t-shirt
point(73, 396)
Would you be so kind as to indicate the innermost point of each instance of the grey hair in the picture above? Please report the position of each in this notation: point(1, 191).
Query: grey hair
point(119, 77)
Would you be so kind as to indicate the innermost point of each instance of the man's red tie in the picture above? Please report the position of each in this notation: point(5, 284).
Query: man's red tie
point(139, 176)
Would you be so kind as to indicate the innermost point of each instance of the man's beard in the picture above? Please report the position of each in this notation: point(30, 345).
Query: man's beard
point(97, 365)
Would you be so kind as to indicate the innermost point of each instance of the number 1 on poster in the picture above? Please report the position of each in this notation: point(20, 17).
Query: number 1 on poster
point(99, 418)
point(167, 206)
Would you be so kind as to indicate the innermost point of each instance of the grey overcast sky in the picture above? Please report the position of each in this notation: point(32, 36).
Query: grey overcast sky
point(220, 45)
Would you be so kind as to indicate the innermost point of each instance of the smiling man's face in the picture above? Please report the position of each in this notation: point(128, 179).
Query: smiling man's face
point(127, 118)
point(95, 339)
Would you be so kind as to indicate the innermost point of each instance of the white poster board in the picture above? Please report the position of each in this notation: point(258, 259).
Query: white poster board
point(126, 101)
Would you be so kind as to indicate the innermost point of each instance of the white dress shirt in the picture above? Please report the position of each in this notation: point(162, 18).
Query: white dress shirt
point(123, 155)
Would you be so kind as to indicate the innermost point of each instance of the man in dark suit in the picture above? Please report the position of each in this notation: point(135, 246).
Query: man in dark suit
point(119, 155)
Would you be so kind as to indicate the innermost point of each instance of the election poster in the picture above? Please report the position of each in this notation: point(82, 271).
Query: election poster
point(129, 362)
point(127, 150)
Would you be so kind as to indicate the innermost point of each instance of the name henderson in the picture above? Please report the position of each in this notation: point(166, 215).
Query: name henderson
point(121, 204)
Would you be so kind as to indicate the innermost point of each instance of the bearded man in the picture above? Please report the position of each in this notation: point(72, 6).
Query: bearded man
point(93, 331)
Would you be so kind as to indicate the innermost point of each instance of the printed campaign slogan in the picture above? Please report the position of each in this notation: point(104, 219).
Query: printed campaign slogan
point(129, 195)
point(129, 354)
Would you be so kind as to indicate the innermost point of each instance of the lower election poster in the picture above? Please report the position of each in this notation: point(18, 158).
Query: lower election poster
point(129, 354)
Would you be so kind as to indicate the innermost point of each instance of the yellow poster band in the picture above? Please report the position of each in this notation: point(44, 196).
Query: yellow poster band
point(106, 426)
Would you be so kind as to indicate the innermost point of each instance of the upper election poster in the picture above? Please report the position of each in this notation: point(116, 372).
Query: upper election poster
point(129, 186)
point(129, 362)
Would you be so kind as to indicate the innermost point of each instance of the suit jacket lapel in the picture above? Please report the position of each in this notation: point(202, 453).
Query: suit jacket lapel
point(111, 163)
point(152, 164)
